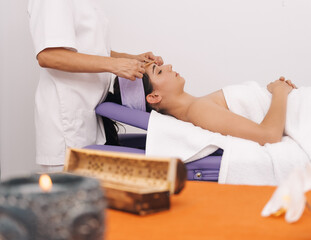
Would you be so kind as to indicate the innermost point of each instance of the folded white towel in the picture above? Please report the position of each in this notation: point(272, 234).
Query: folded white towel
point(170, 137)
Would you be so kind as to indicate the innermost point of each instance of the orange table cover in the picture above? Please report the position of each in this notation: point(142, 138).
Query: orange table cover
point(206, 210)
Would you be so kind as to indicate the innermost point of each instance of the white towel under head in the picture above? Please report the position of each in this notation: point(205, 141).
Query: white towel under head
point(168, 136)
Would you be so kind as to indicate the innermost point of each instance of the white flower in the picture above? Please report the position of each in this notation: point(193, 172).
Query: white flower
point(290, 197)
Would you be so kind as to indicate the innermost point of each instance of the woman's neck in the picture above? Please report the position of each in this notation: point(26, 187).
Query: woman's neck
point(178, 106)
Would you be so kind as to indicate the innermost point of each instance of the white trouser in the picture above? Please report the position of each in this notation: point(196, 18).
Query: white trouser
point(51, 168)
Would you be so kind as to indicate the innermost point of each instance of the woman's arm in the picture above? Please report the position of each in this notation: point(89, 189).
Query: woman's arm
point(69, 61)
point(270, 130)
point(122, 55)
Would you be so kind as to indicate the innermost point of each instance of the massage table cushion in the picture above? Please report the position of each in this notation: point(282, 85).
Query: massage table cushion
point(204, 169)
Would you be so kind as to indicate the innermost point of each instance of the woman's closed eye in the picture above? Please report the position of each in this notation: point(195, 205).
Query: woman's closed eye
point(160, 72)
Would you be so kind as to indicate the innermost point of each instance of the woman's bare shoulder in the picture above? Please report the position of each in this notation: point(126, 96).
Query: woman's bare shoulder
point(207, 114)
point(214, 117)
point(216, 97)
point(200, 106)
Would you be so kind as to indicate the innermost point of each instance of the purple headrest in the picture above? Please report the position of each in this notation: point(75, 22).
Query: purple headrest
point(124, 114)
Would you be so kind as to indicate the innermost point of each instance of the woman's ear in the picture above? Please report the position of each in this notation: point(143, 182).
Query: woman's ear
point(153, 98)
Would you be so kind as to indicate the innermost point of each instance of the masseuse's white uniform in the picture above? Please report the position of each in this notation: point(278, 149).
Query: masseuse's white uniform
point(65, 102)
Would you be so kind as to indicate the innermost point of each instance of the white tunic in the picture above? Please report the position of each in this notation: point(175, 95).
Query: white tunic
point(65, 102)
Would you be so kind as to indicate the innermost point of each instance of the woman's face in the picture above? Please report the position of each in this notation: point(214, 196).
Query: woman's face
point(164, 79)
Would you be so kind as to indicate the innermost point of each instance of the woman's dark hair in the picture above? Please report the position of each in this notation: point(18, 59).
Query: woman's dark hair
point(111, 127)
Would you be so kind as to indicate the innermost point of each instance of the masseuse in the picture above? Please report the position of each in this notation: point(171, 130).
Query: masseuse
point(72, 47)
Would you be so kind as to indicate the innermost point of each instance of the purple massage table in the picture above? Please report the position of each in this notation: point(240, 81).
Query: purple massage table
point(204, 169)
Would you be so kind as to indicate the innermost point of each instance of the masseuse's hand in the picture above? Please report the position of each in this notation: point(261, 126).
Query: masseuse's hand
point(279, 86)
point(289, 82)
point(149, 56)
point(128, 68)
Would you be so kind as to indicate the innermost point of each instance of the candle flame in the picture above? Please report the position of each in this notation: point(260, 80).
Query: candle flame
point(45, 183)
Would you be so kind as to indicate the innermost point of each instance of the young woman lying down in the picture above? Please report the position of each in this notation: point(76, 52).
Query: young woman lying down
point(164, 92)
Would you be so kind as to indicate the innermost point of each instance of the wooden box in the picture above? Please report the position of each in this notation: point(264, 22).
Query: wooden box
point(132, 182)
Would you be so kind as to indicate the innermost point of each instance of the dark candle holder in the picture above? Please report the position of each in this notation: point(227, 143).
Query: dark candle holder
point(72, 210)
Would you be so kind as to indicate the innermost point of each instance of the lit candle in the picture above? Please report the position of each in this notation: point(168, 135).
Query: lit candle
point(45, 183)
point(55, 206)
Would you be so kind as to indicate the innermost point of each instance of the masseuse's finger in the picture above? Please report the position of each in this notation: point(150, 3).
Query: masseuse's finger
point(158, 60)
point(149, 56)
point(139, 75)
point(138, 72)
point(289, 82)
point(141, 68)
point(147, 60)
point(130, 77)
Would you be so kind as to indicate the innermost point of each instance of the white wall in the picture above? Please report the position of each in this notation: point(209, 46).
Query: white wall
point(215, 42)
point(210, 42)
point(18, 79)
